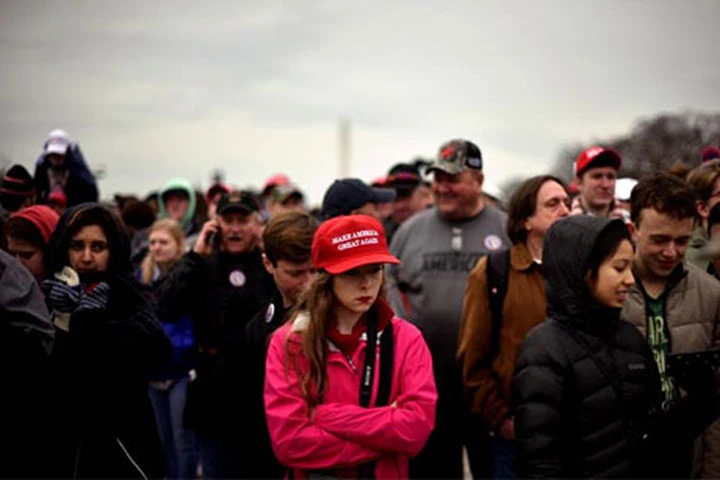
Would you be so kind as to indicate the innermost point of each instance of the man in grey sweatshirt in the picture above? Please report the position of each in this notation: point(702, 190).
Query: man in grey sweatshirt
point(437, 249)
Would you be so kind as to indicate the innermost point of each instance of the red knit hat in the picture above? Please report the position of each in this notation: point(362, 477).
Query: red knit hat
point(347, 242)
point(42, 216)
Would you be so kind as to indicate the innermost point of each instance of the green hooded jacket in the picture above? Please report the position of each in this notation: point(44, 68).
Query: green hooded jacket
point(182, 185)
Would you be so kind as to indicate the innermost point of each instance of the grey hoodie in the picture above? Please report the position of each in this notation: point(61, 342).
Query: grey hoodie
point(22, 304)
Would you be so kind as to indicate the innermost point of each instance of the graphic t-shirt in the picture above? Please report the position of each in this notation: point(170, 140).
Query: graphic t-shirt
point(659, 343)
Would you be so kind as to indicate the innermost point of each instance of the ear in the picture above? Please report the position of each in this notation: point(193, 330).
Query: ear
point(702, 209)
point(268, 265)
point(633, 232)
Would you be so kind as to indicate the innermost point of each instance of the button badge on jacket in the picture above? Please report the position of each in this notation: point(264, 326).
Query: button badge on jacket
point(237, 278)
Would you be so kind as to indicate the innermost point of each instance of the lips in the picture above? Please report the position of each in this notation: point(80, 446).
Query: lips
point(365, 299)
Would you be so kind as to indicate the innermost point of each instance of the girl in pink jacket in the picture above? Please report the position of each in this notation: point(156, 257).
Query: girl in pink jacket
point(332, 410)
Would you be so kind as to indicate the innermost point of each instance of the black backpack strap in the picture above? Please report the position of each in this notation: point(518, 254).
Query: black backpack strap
point(498, 270)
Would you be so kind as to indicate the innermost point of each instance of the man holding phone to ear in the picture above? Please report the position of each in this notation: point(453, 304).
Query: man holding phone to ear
point(221, 283)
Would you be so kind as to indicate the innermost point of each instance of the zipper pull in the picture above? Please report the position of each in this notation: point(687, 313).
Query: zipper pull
point(352, 364)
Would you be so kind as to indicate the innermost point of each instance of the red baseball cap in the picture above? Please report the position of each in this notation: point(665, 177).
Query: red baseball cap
point(594, 155)
point(347, 242)
point(275, 181)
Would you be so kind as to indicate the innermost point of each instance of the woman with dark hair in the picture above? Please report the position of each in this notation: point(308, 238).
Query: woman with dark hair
point(498, 314)
point(332, 410)
point(586, 385)
point(107, 339)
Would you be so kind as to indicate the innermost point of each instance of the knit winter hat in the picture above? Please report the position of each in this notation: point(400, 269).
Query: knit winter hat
point(42, 216)
point(18, 182)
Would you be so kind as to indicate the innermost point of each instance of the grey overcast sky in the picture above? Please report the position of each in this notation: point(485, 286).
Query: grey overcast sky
point(157, 89)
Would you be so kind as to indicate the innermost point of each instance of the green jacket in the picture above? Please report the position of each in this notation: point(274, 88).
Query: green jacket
point(184, 186)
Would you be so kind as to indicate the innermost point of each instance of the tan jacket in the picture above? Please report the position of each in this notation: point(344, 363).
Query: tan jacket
point(488, 389)
point(692, 313)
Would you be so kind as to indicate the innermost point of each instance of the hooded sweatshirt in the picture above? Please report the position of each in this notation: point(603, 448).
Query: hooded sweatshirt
point(586, 384)
point(179, 184)
point(73, 177)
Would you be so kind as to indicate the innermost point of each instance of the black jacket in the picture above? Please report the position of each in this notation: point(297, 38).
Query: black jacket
point(586, 387)
point(104, 425)
point(262, 462)
point(221, 293)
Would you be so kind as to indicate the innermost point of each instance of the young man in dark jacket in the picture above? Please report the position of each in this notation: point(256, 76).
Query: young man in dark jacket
point(222, 283)
point(287, 241)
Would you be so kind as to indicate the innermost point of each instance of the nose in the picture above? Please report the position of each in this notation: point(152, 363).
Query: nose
point(440, 186)
point(365, 281)
point(628, 279)
point(564, 210)
point(670, 250)
point(87, 255)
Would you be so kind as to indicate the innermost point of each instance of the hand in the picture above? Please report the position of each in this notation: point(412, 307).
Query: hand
point(95, 298)
point(201, 247)
point(507, 429)
point(61, 296)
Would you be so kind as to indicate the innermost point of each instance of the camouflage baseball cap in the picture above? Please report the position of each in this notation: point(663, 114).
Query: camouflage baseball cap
point(457, 155)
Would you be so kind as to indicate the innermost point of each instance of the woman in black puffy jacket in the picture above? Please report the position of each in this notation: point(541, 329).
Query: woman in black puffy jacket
point(586, 385)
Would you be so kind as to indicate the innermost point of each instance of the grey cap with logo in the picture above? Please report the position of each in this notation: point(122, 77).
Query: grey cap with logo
point(457, 155)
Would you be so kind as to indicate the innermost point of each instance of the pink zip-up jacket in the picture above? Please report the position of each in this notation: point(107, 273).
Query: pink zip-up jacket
point(341, 434)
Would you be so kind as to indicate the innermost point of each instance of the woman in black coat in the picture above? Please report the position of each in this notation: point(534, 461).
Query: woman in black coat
point(107, 339)
point(586, 385)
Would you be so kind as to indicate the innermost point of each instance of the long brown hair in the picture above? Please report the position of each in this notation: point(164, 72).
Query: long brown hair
point(316, 303)
point(177, 233)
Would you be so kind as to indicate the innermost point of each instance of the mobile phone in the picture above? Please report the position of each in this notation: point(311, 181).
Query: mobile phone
point(213, 238)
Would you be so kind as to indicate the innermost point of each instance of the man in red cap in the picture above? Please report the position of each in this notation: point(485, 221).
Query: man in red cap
point(595, 174)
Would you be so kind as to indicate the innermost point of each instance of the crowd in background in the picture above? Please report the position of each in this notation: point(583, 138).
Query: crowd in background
point(564, 331)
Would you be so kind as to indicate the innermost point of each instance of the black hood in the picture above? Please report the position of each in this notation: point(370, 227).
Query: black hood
point(83, 215)
point(566, 253)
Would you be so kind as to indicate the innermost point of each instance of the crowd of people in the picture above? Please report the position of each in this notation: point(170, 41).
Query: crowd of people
point(569, 331)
